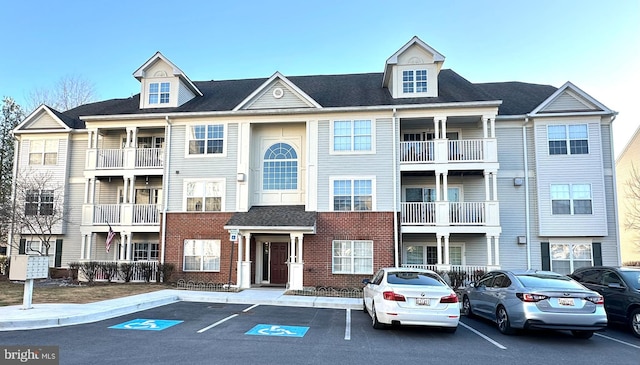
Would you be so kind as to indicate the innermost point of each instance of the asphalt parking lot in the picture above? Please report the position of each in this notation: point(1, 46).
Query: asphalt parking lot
point(207, 333)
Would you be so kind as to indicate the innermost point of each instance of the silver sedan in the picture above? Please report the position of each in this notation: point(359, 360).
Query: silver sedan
point(535, 300)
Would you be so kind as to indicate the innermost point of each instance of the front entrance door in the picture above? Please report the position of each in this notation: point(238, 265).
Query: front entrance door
point(278, 263)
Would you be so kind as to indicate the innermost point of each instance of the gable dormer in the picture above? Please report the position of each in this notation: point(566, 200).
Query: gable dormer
point(163, 84)
point(569, 99)
point(412, 72)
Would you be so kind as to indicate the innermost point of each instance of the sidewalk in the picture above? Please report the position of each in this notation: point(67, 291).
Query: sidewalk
point(54, 315)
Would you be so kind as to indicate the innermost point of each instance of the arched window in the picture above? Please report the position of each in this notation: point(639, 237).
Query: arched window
point(280, 168)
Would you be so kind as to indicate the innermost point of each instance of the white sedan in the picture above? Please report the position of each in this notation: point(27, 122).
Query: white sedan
point(403, 296)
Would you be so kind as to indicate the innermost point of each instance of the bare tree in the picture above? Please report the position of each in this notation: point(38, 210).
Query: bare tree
point(632, 204)
point(68, 92)
point(11, 116)
point(37, 209)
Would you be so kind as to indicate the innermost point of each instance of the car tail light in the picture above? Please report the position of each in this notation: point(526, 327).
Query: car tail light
point(389, 295)
point(526, 297)
point(596, 300)
point(449, 299)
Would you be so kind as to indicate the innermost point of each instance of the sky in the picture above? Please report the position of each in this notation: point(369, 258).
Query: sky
point(593, 44)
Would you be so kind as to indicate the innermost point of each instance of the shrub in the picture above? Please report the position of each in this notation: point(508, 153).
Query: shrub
point(5, 261)
point(164, 272)
point(89, 270)
point(73, 271)
point(146, 269)
point(126, 271)
point(110, 270)
point(457, 278)
point(631, 263)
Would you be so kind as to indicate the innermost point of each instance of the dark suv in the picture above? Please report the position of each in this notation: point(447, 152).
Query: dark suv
point(620, 287)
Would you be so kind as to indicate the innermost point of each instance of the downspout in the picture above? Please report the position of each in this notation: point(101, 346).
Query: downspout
point(615, 192)
point(16, 158)
point(395, 193)
point(526, 192)
point(165, 187)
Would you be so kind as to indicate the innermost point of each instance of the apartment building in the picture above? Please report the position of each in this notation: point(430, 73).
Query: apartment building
point(320, 180)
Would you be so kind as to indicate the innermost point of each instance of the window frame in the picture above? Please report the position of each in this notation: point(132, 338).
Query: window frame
point(352, 203)
point(47, 149)
point(352, 135)
point(553, 262)
point(185, 197)
point(418, 85)
point(425, 252)
point(190, 136)
point(572, 198)
point(35, 207)
point(162, 95)
point(283, 174)
point(152, 247)
point(569, 147)
point(352, 257)
point(217, 247)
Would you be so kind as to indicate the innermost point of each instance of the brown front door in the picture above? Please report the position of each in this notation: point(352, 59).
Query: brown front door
point(278, 264)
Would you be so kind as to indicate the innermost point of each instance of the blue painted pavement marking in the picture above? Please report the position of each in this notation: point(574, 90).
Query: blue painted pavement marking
point(277, 330)
point(146, 324)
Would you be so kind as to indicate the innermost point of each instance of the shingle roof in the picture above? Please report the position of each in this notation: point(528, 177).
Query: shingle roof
point(350, 90)
point(274, 216)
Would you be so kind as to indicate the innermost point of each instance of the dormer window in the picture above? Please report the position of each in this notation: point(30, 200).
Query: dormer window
point(414, 81)
point(159, 92)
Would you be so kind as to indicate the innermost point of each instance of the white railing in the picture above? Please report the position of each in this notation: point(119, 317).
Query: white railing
point(460, 150)
point(470, 272)
point(460, 213)
point(466, 150)
point(106, 213)
point(138, 274)
point(145, 214)
point(110, 158)
point(417, 151)
point(149, 157)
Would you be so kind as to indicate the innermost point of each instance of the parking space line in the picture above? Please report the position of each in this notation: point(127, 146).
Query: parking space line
point(250, 308)
point(347, 330)
point(498, 345)
point(616, 340)
point(217, 323)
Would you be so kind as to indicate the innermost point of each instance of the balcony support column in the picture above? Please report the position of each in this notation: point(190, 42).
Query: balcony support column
point(446, 249)
point(439, 248)
point(445, 186)
point(437, 174)
point(496, 247)
point(494, 174)
point(489, 260)
point(487, 193)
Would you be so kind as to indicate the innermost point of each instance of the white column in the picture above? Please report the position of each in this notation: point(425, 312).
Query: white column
point(496, 247)
point(87, 183)
point(122, 246)
point(246, 264)
point(127, 238)
point(300, 249)
point(132, 190)
point(88, 253)
point(436, 127)
point(239, 264)
point(92, 192)
point(296, 266)
point(83, 247)
point(446, 250)
point(493, 127)
point(489, 261)
point(437, 186)
point(292, 248)
point(439, 249)
point(485, 133)
point(445, 186)
point(495, 185)
point(247, 247)
point(444, 127)
point(487, 194)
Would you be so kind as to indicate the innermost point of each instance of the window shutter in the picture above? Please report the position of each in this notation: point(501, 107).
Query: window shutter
point(597, 253)
point(22, 248)
point(544, 254)
point(58, 260)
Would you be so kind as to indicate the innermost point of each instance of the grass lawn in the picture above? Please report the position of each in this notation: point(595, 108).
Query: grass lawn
point(11, 293)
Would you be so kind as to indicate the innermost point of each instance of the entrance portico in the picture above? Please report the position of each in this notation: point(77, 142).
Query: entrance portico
point(278, 233)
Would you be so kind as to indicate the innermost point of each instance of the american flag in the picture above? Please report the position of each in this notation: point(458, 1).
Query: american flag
point(110, 237)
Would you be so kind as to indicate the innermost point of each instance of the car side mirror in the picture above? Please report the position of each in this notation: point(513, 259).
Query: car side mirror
point(366, 281)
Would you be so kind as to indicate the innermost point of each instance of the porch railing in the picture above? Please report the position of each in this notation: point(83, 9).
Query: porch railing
point(106, 214)
point(432, 213)
point(124, 214)
point(470, 272)
point(110, 158)
point(145, 214)
point(149, 157)
point(442, 150)
point(138, 274)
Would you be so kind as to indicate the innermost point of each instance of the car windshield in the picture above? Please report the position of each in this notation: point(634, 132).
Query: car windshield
point(548, 281)
point(413, 278)
point(632, 277)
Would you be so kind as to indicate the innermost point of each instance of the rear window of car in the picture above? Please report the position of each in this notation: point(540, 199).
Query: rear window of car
point(632, 277)
point(548, 281)
point(413, 278)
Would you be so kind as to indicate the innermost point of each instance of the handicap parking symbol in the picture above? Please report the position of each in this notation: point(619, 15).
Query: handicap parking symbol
point(277, 330)
point(146, 324)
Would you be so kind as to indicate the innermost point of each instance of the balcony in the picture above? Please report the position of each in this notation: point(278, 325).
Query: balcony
point(450, 214)
point(447, 151)
point(121, 214)
point(124, 158)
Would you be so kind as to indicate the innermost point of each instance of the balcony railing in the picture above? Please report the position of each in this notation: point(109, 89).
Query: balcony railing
point(121, 214)
point(124, 158)
point(442, 150)
point(450, 213)
point(471, 272)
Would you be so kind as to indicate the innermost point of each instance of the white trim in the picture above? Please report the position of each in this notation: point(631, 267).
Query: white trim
point(30, 117)
point(284, 80)
point(569, 86)
point(187, 136)
point(372, 151)
point(351, 178)
point(197, 240)
point(220, 181)
point(140, 72)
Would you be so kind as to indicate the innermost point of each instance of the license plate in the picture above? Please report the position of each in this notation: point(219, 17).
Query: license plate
point(423, 301)
point(566, 301)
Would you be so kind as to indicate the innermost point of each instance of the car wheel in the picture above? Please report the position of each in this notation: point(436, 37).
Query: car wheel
point(449, 329)
point(502, 320)
point(582, 334)
point(374, 318)
point(634, 322)
point(466, 307)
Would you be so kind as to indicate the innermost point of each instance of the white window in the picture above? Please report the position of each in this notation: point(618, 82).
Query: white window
point(576, 137)
point(352, 194)
point(352, 257)
point(39, 202)
point(203, 195)
point(280, 168)
point(43, 152)
point(206, 139)
point(159, 92)
point(566, 257)
point(352, 135)
point(34, 248)
point(201, 255)
point(414, 81)
point(428, 254)
point(145, 251)
point(571, 199)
